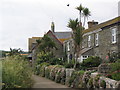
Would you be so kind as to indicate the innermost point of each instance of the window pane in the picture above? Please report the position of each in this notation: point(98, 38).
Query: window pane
point(114, 35)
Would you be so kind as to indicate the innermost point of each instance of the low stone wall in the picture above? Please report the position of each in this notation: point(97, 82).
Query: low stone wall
point(77, 79)
point(104, 68)
point(110, 83)
point(68, 75)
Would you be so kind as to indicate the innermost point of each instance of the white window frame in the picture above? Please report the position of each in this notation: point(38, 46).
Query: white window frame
point(83, 57)
point(89, 41)
point(114, 39)
point(68, 46)
point(96, 39)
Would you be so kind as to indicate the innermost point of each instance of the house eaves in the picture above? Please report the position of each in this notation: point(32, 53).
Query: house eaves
point(102, 25)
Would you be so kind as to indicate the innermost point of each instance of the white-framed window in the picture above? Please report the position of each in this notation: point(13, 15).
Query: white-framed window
point(96, 39)
point(83, 58)
point(68, 46)
point(114, 35)
point(89, 41)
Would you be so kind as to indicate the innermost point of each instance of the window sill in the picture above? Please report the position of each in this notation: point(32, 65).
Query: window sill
point(96, 45)
point(114, 42)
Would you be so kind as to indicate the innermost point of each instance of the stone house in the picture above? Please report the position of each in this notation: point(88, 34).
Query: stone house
point(98, 40)
point(57, 37)
point(69, 49)
point(101, 39)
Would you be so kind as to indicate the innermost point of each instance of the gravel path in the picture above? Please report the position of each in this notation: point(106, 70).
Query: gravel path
point(41, 82)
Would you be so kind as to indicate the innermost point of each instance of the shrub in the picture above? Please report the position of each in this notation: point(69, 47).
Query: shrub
point(115, 71)
point(48, 58)
point(70, 64)
point(92, 61)
point(103, 84)
point(90, 83)
point(96, 81)
point(16, 73)
point(56, 61)
point(44, 57)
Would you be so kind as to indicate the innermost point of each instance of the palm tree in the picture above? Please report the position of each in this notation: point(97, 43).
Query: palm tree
point(15, 51)
point(80, 9)
point(76, 35)
point(77, 29)
point(86, 14)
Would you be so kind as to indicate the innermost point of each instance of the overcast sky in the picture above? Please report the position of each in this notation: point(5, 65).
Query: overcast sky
point(22, 19)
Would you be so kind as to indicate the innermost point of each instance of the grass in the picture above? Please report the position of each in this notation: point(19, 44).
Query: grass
point(16, 73)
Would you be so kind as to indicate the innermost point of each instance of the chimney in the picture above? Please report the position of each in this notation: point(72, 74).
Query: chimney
point(52, 27)
point(92, 23)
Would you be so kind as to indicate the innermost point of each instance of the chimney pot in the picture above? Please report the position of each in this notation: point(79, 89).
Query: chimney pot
point(92, 23)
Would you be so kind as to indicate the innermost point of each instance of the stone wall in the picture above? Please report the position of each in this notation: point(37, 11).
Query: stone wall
point(110, 83)
point(68, 75)
point(104, 68)
point(78, 79)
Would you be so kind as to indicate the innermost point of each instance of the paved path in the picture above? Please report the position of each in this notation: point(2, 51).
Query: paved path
point(41, 82)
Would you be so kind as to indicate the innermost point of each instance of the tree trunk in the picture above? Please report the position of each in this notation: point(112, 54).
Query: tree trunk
point(84, 21)
point(77, 55)
point(80, 19)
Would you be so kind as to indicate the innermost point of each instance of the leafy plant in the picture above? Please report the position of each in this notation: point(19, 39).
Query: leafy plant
point(92, 61)
point(16, 73)
point(70, 64)
point(115, 71)
point(90, 83)
point(103, 83)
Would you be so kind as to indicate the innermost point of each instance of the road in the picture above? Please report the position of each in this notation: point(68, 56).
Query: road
point(41, 82)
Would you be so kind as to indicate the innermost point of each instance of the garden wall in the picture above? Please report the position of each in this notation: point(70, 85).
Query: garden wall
point(104, 68)
point(77, 79)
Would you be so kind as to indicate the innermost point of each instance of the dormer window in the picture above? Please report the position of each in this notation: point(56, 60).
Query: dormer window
point(114, 35)
point(96, 39)
point(89, 41)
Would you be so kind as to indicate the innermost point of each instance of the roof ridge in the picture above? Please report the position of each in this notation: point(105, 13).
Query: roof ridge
point(103, 24)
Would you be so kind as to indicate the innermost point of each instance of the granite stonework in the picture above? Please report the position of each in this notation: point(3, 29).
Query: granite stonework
point(105, 44)
point(68, 75)
point(59, 51)
point(110, 83)
point(68, 48)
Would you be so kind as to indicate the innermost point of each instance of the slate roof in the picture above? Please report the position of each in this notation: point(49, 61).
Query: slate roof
point(104, 24)
point(62, 35)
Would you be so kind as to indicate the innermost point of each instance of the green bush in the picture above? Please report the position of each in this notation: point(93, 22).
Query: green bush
point(48, 58)
point(92, 61)
point(115, 71)
point(56, 61)
point(103, 84)
point(90, 83)
point(43, 57)
point(16, 73)
point(70, 64)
